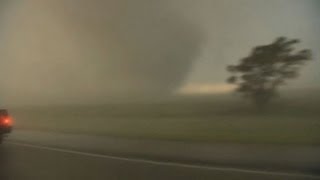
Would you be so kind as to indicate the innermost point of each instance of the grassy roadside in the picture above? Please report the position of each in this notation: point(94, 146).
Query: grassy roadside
point(209, 121)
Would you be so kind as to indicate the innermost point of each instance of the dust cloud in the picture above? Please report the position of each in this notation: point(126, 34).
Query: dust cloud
point(79, 51)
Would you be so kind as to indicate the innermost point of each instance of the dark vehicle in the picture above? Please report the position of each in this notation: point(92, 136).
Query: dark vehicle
point(5, 124)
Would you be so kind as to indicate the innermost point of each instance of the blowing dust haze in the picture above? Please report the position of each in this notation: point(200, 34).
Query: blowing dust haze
point(78, 51)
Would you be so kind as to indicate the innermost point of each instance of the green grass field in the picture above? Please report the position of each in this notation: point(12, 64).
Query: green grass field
point(289, 121)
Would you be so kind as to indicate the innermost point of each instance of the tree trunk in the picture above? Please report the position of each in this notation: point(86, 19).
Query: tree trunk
point(261, 101)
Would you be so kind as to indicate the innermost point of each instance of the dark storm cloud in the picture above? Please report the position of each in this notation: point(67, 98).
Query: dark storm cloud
point(80, 50)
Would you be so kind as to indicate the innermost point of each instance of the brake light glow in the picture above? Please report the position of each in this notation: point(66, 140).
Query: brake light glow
point(7, 121)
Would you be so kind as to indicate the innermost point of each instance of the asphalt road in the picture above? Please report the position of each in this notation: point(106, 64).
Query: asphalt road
point(31, 161)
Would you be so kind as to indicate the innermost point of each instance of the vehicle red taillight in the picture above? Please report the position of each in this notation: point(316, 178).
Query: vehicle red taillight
point(7, 121)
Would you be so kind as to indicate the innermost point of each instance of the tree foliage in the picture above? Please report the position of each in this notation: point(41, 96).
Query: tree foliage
point(259, 75)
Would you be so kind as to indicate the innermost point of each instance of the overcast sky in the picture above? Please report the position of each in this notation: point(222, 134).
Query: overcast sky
point(80, 50)
point(233, 27)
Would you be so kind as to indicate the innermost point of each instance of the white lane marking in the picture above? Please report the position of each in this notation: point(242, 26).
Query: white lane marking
point(165, 163)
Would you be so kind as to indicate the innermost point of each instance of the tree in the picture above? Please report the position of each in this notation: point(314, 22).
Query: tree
point(259, 75)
